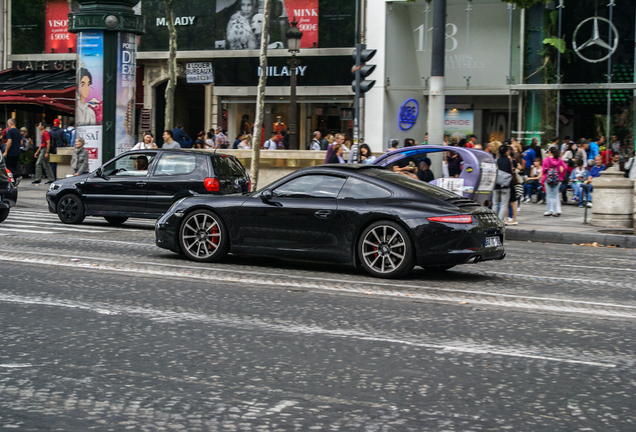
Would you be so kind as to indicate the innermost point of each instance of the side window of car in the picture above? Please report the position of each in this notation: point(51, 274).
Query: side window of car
point(134, 165)
point(311, 186)
point(359, 189)
point(176, 164)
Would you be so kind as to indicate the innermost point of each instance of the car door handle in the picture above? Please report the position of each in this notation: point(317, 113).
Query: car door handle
point(323, 214)
point(141, 184)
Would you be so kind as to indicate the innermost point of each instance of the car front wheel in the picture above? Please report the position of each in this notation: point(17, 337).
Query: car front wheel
point(203, 237)
point(385, 250)
point(70, 209)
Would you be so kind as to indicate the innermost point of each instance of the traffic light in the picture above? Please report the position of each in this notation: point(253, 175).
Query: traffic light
point(361, 55)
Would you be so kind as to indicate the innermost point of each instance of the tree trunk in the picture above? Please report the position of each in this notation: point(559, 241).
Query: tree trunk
point(172, 67)
point(260, 101)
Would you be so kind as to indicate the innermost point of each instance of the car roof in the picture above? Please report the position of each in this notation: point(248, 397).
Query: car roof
point(182, 150)
point(343, 167)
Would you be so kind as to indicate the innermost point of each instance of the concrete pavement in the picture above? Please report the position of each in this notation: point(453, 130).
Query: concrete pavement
point(570, 228)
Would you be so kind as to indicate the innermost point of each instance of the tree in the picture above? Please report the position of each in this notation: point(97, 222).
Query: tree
point(260, 100)
point(172, 66)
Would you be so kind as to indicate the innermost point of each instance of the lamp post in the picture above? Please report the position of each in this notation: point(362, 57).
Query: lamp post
point(294, 35)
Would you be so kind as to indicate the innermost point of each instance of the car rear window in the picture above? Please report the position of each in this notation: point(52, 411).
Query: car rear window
point(416, 185)
point(224, 166)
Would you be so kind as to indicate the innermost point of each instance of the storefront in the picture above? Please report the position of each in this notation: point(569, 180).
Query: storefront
point(479, 62)
point(217, 33)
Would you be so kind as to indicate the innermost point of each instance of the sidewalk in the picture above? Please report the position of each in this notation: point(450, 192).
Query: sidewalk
point(533, 226)
point(569, 228)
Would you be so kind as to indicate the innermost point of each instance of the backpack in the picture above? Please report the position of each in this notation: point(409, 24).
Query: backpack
point(553, 177)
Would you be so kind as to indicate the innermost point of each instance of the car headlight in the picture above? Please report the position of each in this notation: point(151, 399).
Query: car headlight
point(54, 186)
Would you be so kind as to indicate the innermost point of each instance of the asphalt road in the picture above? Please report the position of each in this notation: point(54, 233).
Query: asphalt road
point(101, 330)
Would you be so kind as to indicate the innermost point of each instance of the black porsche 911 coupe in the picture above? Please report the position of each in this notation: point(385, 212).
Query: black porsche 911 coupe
point(353, 214)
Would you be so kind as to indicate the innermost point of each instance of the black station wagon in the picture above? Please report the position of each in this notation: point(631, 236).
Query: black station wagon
point(144, 184)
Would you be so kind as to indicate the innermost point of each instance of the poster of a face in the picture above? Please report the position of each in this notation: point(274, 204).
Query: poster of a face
point(90, 53)
point(245, 19)
point(125, 108)
point(90, 84)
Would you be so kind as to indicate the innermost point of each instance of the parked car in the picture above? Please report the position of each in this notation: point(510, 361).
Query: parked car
point(8, 190)
point(353, 214)
point(478, 174)
point(144, 184)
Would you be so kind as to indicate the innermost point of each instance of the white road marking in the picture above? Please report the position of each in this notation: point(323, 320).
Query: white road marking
point(58, 228)
point(599, 268)
point(164, 316)
point(54, 254)
point(15, 365)
point(2, 229)
point(545, 304)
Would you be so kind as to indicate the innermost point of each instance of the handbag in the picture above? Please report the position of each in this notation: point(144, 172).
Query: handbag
point(503, 178)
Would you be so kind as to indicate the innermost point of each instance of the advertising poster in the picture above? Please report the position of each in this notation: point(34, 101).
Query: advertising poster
point(90, 85)
point(57, 38)
point(458, 124)
point(93, 144)
point(125, 108)
point(306, 14)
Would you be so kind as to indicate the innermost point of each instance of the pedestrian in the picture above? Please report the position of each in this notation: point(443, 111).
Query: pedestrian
point(70, 133)
point(581, 152)
point(594, 147)
point(472, 141)
point(199, 143)
point(528, 156)
point(595, 171)
point(42, 155)
point(271, 143)
point(168, 141)
point(13, 142)
point(338, 139)
point(554, 171)
point(533, 182)
point(315, 141)
point(209, 139)
point(284, 141)
point(424, 173)
point(237, 141)
point(578, 181)
point(58, 136)
point(366, 156)
point(409, 142)
point(179, 135)
point(393, 145)
point(336, 157)
point(220, 140)
point(246, 143)
point(79, 160)
point(147, 143)
point(501, 194)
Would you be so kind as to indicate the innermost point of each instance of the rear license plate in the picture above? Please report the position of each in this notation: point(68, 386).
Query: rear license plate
point(493, 242)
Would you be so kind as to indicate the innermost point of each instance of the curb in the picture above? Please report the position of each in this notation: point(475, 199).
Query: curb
point(622, 241)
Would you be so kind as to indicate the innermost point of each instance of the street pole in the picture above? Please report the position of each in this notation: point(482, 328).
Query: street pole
point(436, 95)
point(609, 91)
point(293, 134)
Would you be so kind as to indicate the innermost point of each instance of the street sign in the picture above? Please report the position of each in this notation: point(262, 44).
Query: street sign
point(199, 73)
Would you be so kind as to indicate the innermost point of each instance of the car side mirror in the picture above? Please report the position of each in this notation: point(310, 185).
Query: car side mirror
point(266, 195)
point(99, 172)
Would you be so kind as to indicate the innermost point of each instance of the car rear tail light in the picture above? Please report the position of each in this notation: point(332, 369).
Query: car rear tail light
point(212, 184)
point(10, 175)
point(249, 186)
point(459, 219)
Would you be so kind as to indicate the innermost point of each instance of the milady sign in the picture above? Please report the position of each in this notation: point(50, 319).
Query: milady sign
point(284, 71)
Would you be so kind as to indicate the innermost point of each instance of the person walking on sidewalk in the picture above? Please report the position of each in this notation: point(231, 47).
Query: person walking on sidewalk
point(501, 194)
point(554, 171)
point(42, 156)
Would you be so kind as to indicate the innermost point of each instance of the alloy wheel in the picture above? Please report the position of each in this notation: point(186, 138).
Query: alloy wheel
point(384, 249)
point(202, 237)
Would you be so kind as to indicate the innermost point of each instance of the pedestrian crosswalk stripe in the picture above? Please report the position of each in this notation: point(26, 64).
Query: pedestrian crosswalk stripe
point(2, 229)
point(60, 228)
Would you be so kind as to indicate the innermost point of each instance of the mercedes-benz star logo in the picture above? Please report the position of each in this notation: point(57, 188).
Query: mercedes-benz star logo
point(596, 40)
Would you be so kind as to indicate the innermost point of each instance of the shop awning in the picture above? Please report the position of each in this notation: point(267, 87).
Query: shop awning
point(52, 89)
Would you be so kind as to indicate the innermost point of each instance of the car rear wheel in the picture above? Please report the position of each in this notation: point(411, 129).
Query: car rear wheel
point(203, 237)
point(115, 220)
point(4, 213)
point(385, 250)
point(70, 209)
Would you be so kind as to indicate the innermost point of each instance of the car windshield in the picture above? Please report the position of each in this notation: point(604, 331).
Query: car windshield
point(416, 185)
